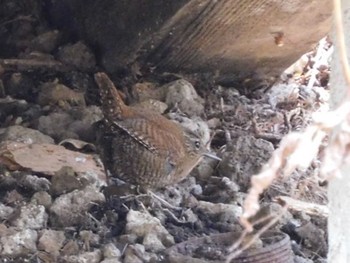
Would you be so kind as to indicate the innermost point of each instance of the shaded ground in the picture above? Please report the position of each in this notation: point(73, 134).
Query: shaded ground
point(55, 205)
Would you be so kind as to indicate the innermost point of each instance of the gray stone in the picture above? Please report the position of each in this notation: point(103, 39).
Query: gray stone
point(222, 212)
point(35, 183)
point(133, 252)
point(19, 243)
point(111, 251)
point(87, 257)
point(25, 135)
point(42, 198)
point(182, 94)
point(51, 241)
point(5, 211)
point(111, 260)
point(77, 55)
point(69, 209)
point(30, 216)
point(155, 237)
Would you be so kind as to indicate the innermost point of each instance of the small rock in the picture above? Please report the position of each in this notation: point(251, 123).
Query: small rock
point(13, 197)
point(5, 212)
point(83, 120)
point(65, 180)
point(155, 237)
point(154, 105)
point(111, 260)
point(12, 108)
point(221, 212)
point(71, 248)
point(244, 157)
point(19, 243)
point(77, 123)
point(175, 194)
point(146, 90)
point(20, 86)
point(93, 178)
point(152, 242)
point(55, 124)
point(42, 198)
point(69, 209)
point(111, 251)
point(190, 216)
point(46, 42)
point(313, 238)
point(127, 239)
point(53, 93)
point(230, 185)
point(281, 93)
point(87, 257)
point(196, 125)
point(135, 254)
point(77, 55)
point(269, 210)
point(203, 171)
point(182, 93)
point(89, 238)
point(5, 231)
point(197, 190)
point(240, 198)
point(21, 134)
point(214, 123)
point(51, 241)
point(35, 183)
point(30, 216)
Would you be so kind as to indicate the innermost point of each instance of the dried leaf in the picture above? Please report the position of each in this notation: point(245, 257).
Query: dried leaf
point(48, 158)
point(78, 145)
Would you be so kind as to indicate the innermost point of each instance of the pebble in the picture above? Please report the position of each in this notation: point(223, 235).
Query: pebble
point(42, 198)
point(5, 211)
point(154, 236)
point(26, 135)
point(70, 209)
point(30, 216)
point(51, 241)
point(19, 243)
point(77, 55)
point(182, 94)
point(111, 251)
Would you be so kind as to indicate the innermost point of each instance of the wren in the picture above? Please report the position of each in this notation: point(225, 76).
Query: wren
point(143, 147)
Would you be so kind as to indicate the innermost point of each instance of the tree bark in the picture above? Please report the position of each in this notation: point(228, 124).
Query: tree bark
point(339, 188)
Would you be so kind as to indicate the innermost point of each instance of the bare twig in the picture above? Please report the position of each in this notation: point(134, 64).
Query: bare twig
point(33, 64)
point(164, 202)
point(19, 18)
point(308, 208)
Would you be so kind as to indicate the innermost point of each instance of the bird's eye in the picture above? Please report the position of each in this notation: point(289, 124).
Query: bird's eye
point(197, 144)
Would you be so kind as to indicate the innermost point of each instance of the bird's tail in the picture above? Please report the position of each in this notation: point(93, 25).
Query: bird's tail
point(113, 106)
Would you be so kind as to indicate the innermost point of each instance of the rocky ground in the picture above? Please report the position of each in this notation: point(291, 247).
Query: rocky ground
point(56, 203)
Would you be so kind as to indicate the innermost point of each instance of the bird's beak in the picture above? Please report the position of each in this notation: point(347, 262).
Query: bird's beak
point(212, 156)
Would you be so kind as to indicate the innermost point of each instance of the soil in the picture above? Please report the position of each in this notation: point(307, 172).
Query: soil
point(58, 204)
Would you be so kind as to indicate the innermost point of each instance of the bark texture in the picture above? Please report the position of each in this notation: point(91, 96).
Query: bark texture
point(339, 188)
point(237, 37)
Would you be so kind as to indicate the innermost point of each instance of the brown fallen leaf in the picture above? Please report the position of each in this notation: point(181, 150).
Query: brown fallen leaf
point(47, 158)
point(75, 144)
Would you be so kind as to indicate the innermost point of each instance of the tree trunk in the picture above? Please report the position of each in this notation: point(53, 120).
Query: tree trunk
point(339, 188)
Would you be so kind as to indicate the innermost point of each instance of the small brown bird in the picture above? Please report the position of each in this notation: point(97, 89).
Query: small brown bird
point(143, 147)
